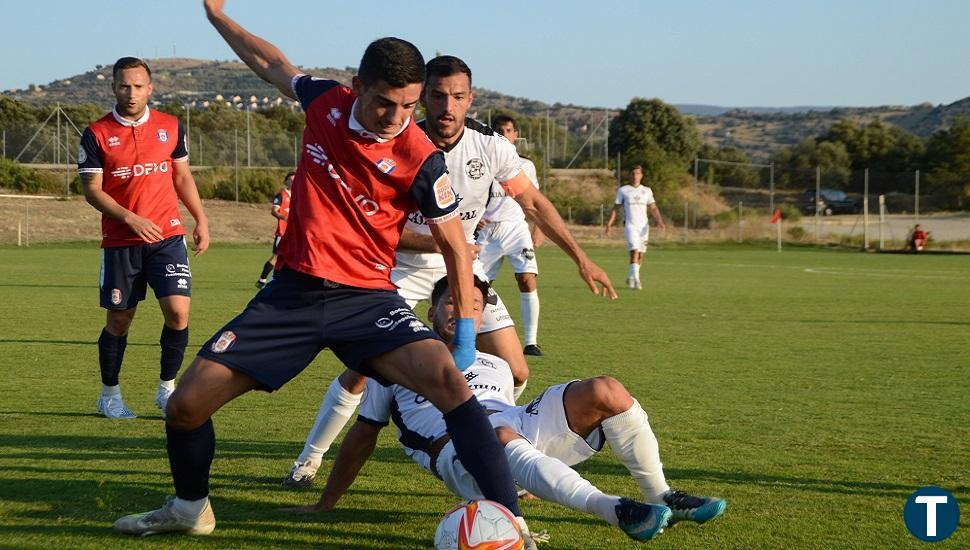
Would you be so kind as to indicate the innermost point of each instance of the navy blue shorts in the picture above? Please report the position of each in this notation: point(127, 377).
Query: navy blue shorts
point(296, 315)
point(126, 270)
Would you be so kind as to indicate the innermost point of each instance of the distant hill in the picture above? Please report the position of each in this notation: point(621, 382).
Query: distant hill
point(758, 131)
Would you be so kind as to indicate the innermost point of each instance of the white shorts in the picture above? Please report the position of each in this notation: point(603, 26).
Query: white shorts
point(507, 239)
point(542, 423)
point(637, 237)
point(416, 283)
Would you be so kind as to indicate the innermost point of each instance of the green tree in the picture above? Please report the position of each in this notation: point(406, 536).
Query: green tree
point(795, 166)
point(948, 163)
point(654, 134)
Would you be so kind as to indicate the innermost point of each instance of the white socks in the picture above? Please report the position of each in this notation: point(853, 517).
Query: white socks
point(636, 271)
point(110, 391)
point(517, 391)
point(167, 384)
point(190, 508)
point(550, 479)
point(337, 408)
point(529, 302)
point(633, 442)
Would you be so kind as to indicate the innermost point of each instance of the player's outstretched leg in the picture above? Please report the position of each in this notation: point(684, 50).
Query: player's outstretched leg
point(634, 444)
point(338, 406)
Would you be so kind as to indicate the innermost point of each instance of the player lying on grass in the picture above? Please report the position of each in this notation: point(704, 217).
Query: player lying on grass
point(565, 425)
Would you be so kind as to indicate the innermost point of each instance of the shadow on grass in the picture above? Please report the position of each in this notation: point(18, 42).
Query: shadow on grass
point(69, 342)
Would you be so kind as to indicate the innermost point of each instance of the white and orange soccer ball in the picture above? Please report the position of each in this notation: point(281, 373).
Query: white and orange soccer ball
point(478, 525)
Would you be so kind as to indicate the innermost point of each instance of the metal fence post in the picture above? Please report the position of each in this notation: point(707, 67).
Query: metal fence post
point(916, 199)
point(740, 222)
point(865, 211)
point(686, 217)
point(882, 220)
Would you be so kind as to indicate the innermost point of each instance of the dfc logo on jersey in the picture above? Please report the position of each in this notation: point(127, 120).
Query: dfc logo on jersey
point(475, 168)
point(162, 135)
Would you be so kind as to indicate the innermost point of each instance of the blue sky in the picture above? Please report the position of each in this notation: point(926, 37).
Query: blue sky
point(597, 54)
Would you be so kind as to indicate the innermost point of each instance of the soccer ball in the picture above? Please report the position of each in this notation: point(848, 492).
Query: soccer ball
point(478, 525)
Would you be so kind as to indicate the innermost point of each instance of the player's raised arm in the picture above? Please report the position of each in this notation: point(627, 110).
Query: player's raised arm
point(265, 59)
point(544, 214)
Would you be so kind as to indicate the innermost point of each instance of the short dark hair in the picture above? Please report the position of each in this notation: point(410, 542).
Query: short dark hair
point(130, 63)
point(505, 119)
point(448, 65)
point(392, 60)
point(442, 285)
point(289, 174)
point(636, 167)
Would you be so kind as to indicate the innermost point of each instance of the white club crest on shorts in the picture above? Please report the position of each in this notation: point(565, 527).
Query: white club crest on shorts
point(225, 340)
point(116, 296)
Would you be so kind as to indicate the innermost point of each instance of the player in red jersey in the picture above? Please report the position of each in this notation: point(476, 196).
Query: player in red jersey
point(280, 211)
point(365, 166)
point(134, 168)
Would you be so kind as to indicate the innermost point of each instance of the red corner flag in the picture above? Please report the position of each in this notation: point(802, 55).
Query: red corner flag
point(776, 216)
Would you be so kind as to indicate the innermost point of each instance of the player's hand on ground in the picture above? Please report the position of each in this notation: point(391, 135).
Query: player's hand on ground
point(596, 277)
point(144, 228)
point(201, 238)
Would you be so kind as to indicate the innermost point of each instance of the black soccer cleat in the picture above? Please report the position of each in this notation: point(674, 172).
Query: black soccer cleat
point(532, 349)
point(693, 508)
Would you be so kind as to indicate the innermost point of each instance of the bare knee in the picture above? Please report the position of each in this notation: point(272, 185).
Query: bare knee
point(181, 414)
point(520, 371)
point(526, 282)
point(353, 382)
point(117, 322)
point(603, 394)
point(175, 310)
point(447, 388)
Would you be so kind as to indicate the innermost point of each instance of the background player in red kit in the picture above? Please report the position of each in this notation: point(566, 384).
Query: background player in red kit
point(365, 165)
point(280, 211)
point(134, 168)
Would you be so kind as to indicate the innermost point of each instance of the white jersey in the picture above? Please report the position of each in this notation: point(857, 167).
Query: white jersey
point(418, 422)
point(479, 157)
point(502, 207)
point(635, 201)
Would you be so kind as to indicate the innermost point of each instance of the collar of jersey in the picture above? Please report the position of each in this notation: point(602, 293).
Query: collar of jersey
point(125, 122)
point(356, 126)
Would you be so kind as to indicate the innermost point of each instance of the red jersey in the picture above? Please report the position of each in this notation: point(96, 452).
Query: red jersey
point(135, 158)
point(353, 191)
point(282, 200)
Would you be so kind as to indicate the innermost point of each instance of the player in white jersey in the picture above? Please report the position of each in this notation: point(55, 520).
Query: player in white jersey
point(504, 232)
point(635, 200)
point(476, 156)
point(565, 425)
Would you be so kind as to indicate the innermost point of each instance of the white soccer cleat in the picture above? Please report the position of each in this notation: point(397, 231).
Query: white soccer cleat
point(630, 282)
point(167, 520)
point(112, 406)
point(161, 398)
point(301, 476)
point(636, 284)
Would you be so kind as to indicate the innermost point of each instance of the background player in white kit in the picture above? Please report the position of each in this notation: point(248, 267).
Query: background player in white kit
point(476, 157)
point(504, 232)
point(635, 199)
point(567, 424)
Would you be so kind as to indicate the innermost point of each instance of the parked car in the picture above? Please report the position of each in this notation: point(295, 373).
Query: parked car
point(832, 201)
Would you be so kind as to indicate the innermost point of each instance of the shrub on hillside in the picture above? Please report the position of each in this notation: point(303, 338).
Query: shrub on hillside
point(16, 176)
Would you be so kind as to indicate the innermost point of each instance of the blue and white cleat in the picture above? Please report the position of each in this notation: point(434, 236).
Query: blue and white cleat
point(112, 406)
point(641, 521)
point(687, 507)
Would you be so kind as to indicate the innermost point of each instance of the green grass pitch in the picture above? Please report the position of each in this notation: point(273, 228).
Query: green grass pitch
point(814, 390)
